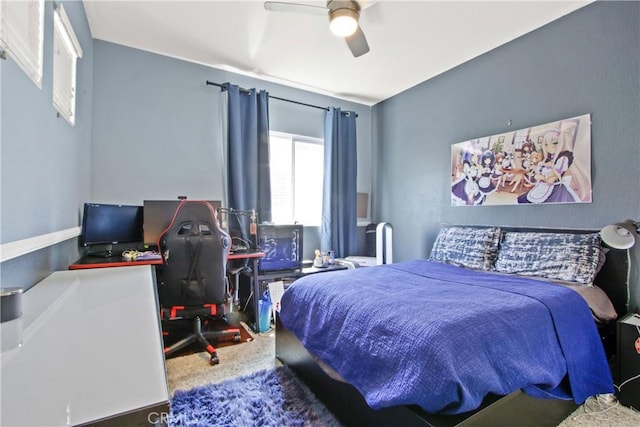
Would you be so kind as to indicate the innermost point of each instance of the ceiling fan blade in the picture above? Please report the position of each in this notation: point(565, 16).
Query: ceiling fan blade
point(366, 4)
point(282, 6)
point(357, 43)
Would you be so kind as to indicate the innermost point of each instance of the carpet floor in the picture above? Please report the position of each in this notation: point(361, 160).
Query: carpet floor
point(192, 371)
point(595, 413)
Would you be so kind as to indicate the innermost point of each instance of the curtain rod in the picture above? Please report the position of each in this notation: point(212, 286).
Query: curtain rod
point(278, 98)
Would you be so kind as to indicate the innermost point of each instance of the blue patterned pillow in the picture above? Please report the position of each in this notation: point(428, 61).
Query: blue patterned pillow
point(559, 256)
point(471, 247)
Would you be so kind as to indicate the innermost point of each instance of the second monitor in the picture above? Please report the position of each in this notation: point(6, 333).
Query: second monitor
point(158, 215)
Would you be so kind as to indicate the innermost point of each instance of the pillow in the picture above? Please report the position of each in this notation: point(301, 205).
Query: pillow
point(471, 247)
point(558, 256)
point(598, 301)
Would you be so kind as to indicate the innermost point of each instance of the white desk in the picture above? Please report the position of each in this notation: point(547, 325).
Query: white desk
point(91, 350)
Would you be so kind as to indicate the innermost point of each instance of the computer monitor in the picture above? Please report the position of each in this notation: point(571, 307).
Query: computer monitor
point(282, 245)
point(109, 224)
point(158, 215)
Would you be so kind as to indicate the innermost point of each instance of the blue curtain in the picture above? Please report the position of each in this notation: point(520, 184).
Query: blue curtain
point(339, 220)
point(249, 185)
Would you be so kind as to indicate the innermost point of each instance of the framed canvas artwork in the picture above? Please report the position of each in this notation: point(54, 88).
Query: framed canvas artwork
point(549, 163)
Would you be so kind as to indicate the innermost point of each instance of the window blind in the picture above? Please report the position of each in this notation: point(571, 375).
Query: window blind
point(66, 50)
point(21, 34)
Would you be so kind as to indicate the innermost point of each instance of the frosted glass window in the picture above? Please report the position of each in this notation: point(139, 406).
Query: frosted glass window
point(21, 35)
point(66, 51)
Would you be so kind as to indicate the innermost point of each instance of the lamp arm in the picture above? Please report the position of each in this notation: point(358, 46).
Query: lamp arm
point(628, 282)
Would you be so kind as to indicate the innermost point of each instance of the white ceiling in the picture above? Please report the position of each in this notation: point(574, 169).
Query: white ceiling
point(410, 41)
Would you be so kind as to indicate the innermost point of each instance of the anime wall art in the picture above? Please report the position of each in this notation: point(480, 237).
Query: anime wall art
point(549, 163)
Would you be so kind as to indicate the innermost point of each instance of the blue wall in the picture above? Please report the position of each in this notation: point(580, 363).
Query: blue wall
point(157, 125)
point(586, 62)
point(45, 170)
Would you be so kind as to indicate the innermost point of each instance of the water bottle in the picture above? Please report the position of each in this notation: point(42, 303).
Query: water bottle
point(264, 313)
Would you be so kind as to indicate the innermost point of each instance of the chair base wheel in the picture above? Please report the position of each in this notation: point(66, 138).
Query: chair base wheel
point(214, 360)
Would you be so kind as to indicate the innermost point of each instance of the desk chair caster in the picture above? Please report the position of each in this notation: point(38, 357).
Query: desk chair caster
point(201, 336)
point(214, 359)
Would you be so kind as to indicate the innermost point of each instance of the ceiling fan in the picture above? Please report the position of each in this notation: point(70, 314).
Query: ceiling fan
point(343, 19)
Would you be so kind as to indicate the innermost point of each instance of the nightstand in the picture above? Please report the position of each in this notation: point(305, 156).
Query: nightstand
point(629, 360)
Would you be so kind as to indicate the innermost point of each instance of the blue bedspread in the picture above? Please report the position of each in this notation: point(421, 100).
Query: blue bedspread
point(443, 337)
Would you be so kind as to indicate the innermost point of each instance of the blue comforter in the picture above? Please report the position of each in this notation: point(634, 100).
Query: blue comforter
point(443, 337)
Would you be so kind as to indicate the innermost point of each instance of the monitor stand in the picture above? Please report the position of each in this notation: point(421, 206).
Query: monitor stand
point(106, 253)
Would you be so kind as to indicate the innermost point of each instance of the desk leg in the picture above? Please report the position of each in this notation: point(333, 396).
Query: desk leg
point(257, 295)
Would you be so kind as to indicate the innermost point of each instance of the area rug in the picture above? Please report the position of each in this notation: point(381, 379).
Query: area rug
point(273, 397)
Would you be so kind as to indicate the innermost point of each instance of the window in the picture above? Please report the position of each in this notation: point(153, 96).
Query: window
point(296, 178)
point(66, 50)
point(21, 34)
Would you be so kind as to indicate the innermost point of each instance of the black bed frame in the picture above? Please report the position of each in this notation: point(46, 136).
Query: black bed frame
point(517, 408)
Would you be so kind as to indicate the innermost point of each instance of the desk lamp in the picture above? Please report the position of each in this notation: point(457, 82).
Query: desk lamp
point(622, 235)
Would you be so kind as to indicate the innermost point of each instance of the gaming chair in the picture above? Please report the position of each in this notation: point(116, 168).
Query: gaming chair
point(192, 281)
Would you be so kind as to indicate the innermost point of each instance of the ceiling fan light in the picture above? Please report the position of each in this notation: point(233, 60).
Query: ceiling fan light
point(343, 22)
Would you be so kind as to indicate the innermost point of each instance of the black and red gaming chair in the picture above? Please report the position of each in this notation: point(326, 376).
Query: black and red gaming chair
point(192, 280)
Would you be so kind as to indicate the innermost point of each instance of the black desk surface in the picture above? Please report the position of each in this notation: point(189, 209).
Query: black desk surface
point(294, 274)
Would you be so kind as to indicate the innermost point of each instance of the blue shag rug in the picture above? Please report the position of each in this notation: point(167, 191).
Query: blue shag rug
point(273, 397)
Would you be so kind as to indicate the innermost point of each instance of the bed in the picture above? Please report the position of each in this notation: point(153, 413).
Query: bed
point(497, 326)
